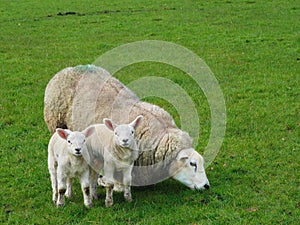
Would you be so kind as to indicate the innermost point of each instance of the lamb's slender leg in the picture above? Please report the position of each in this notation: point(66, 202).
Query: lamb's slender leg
point(109, 184)
point(54, 184)
point(127, 184)
point(85, 187)
point(68, 193)
point(109, 195)
point(62, 187)
point(52, 167)
point(93, 184)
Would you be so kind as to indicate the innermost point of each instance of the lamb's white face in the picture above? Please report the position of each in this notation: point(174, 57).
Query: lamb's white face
point(76, 143)
point(189, 170)
point(76, 139)
point(124, 135)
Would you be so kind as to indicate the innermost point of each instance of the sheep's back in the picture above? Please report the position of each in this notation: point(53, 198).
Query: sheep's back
point(79, 96)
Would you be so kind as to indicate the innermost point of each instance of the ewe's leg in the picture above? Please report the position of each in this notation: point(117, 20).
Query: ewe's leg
point(61, 179)
point(93, 184)
point(68, 193)
point(101, 180)
point(127, 183)
point(85, 187)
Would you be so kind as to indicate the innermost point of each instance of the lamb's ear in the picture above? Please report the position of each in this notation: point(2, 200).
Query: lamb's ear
point(88, 131)
point(110, 124)
point(62, 133)
point(136, 122)
point(182, 155)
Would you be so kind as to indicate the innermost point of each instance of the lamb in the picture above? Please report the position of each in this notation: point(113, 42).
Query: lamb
point(79, 96)
point(68, 157)
point(116, 144)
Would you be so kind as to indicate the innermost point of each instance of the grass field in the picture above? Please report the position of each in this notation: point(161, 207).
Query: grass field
point(252, 47)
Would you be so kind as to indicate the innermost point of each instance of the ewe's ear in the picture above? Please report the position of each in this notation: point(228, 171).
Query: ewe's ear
point(110, 124)
point(136, 122)
point(182, 155)
point(62, 133)
point(88, 131)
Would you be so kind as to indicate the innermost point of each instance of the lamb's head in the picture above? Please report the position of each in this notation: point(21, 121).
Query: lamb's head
point(188, 168)
point(75, 139)
point(124, 133)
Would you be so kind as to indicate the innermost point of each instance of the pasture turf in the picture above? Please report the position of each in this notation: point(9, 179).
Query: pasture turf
point(253, 49)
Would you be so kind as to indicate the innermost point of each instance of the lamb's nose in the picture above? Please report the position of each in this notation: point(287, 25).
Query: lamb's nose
point(206, 186)
point(77, 149)
point(125, 140)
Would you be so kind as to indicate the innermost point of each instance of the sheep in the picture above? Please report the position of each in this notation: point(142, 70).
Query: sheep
point(67, 158)
point(91, 94)
point(116, 146)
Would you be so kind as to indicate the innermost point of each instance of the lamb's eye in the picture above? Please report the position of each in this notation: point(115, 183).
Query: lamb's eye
point(132, 132)
point(193, 164)
point(69, 141)
point(116, 134)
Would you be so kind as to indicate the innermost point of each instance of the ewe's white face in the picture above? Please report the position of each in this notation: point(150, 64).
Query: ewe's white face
point(189, 170)
point(124, 135)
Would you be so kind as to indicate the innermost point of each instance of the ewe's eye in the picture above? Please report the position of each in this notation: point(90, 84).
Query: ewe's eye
point(116, 134)
point(69, 141)
point(193, 164)
point(132, 132)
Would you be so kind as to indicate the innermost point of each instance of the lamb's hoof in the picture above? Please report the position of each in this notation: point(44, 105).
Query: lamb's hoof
point(68, 195)
point(95, 197)
point(108, 203)
point(128, 198)
point(89, 206)
point(59, 205)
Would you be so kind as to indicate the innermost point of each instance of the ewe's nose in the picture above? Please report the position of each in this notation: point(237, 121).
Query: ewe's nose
point(206, 186)
point(125, 140)
point(77, 149)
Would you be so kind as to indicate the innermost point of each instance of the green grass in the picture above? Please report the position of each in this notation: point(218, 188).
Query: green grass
point(252, 47)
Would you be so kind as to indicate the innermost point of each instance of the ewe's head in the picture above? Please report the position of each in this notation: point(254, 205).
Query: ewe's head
point(123, 134)
point(76, 139)
point(188, 168)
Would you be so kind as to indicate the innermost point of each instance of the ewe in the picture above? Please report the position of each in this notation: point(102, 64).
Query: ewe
point(116, 144)
point(77, 97)
point(67, 155)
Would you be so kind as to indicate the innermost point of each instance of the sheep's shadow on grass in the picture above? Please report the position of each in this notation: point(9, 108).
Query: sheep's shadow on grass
point(173, 192)
point(168, 192)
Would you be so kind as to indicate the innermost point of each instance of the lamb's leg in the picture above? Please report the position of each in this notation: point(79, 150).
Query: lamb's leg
point(68, 193)
point(93, 184)
point(85, 187)
point(53, 184)
point(127, 184)
point(62, 187)
point(109, 195)
point(109, 184)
